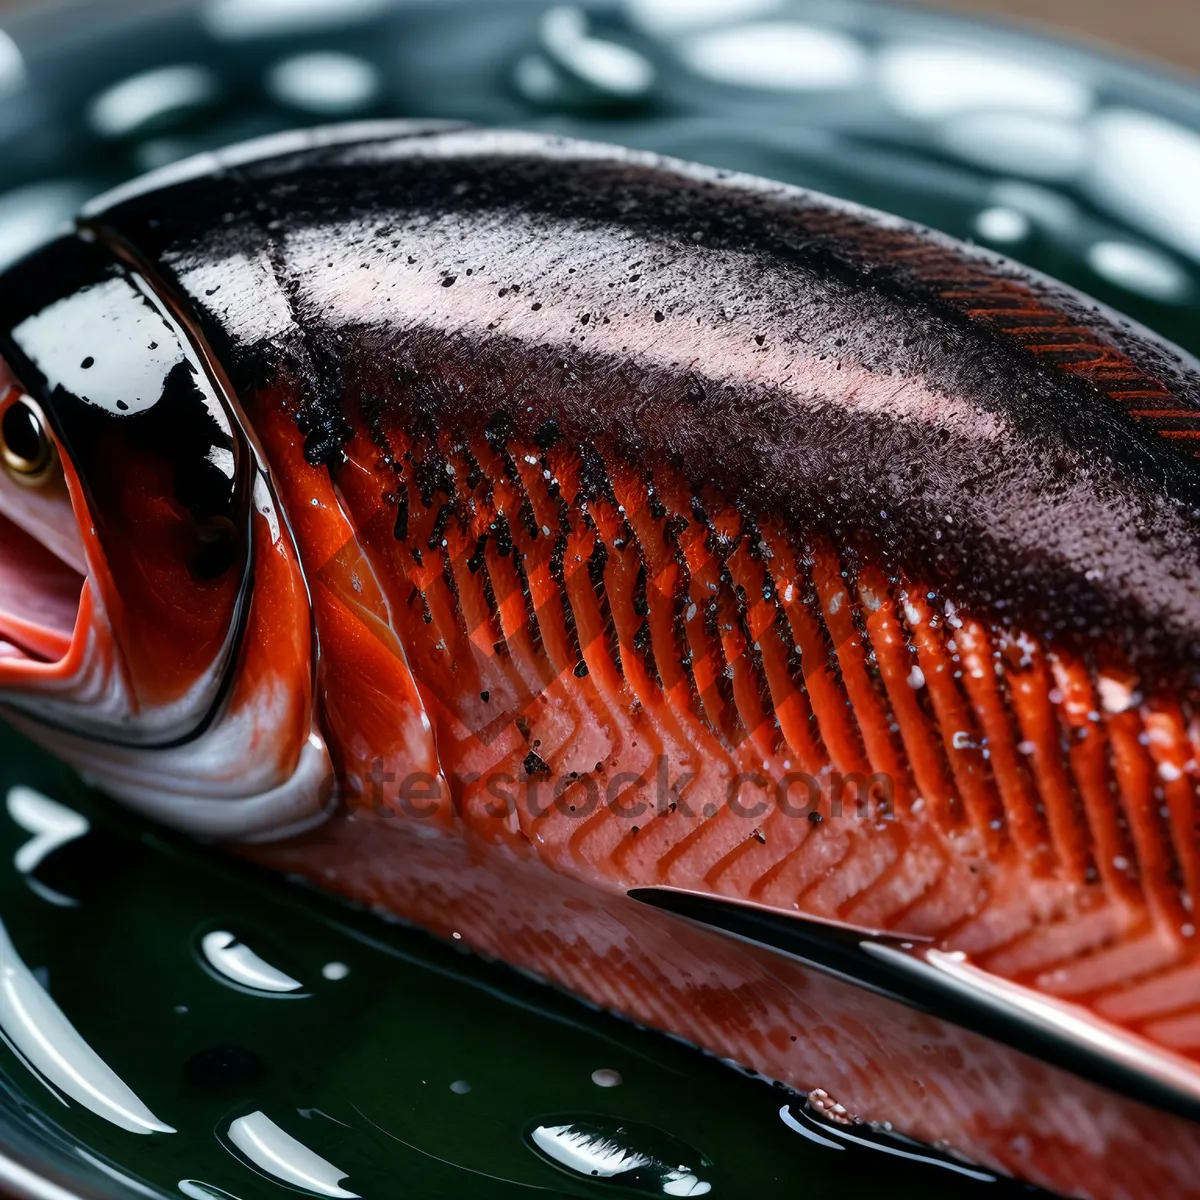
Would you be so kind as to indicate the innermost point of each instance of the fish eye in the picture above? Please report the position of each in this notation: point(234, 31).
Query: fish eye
point(25, 443)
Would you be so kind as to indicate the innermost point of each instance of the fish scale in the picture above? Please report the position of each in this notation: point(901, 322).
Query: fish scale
point(720, 854)
point(835, 886)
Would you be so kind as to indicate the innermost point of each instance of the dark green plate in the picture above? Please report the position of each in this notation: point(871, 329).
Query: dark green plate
point(397, 1065)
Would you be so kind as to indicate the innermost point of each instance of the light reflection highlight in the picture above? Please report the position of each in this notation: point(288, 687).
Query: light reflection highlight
point(134, 103)
point(235, 20)
point(236, 961)
point(1000, 224)
point(933, 81)
point(609, 67)
point(1140, 269)
point(1051, 210)
point(325, 82)
point(46, 1041)
point(278, 1153)
point(1017, 143)
point(779, 55)
point(1146, 170)
point(12, 66)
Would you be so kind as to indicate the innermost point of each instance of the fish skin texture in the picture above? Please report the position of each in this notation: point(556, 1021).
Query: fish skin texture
point(667, 491)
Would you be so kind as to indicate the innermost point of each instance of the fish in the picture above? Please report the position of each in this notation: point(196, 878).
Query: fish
point(491, 527)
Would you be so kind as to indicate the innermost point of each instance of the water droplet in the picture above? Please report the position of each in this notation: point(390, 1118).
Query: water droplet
point(780, 55)
point(52, 825)
point(326, 83)
point(276, 1152)
point(537, 80)
point(335, 971)
point(640, 1157)
point(238, 963)
point(572, 69)
point(151, 97)
point(1043, 206)
point(1145, 169)
point(929, 81)
point(605, 1077)
point(609, 67)
point(1140, 269)
point(999, 224)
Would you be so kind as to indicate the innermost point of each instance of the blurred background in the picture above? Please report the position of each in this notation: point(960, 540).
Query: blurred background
point(1065, 133)
point(1168, 29)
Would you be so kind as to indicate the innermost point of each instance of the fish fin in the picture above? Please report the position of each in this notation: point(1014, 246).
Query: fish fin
point(914, 972)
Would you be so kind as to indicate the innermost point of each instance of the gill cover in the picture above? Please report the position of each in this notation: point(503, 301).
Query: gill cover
point(185, 688)
point(160, 475)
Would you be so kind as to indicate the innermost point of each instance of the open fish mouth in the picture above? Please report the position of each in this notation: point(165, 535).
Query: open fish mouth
point(137, 528)
point(61, 663)
point(41, 599)
point(45, 598)
point(225, 736)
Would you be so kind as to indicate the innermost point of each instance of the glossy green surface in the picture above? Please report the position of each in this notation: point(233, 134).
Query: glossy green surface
point(423, 1071)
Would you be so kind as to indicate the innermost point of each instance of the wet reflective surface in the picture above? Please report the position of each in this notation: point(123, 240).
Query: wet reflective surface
point(289, 1042)
point(174, 1023)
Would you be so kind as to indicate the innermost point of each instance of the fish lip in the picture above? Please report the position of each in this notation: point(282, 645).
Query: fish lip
point(46, 601)
point(67, 648)
point(84, 678)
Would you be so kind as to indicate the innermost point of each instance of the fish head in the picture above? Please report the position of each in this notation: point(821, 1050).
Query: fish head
point(154, 623)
